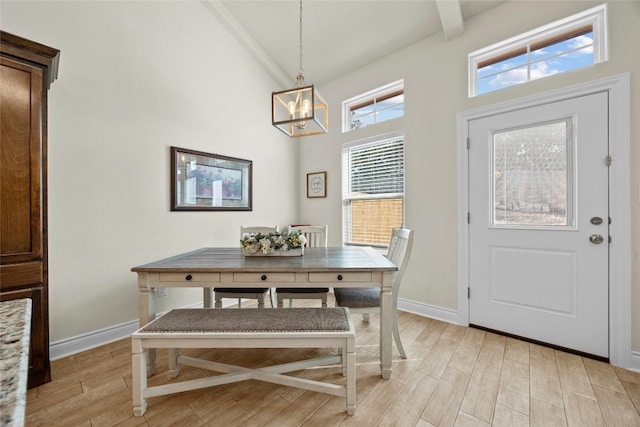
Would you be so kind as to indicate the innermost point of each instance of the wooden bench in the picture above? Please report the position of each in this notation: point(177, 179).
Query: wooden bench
point(246, 328)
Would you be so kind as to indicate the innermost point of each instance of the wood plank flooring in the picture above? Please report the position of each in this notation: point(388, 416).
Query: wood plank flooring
point(454, 376)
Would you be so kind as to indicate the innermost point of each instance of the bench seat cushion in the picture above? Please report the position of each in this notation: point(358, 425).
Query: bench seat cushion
point(333, 319)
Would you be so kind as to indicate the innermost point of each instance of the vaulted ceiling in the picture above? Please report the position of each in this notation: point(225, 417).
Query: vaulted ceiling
point(339, 36)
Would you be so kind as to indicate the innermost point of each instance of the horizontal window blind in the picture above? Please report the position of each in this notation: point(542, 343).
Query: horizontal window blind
point(373, 191)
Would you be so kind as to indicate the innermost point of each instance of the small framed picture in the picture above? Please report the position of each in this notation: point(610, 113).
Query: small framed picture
point(317, 184)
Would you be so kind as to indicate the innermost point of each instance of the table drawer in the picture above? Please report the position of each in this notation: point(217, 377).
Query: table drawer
point(264, 277)
point(189, 277)
point(353, 277)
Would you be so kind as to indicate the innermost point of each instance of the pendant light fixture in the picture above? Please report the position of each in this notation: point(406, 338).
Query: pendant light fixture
point(300, 111)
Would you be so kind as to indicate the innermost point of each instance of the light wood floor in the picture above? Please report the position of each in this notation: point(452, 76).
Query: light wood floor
point(453, 376)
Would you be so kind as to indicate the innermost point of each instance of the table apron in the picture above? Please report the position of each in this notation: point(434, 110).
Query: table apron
point(334, 279)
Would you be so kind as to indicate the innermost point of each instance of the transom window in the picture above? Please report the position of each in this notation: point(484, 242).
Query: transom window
point(373, 189)
point(574, 42)
point(379, 105)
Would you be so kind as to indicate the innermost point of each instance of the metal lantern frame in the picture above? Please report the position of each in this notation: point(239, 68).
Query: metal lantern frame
point(300, 111)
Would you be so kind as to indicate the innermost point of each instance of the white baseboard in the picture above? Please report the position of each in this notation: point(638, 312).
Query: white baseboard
point(635, 361)
point(445, 314)
point(84, 342)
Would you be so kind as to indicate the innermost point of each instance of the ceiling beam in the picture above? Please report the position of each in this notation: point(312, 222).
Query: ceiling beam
point(451, 18)
point(222, 14)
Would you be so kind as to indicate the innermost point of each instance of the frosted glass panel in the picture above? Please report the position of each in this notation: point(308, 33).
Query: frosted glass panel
point(530, 175)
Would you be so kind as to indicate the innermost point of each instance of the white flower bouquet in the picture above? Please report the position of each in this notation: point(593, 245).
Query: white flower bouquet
point(274, 243)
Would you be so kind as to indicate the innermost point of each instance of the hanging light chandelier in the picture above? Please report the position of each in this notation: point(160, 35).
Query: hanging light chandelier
point(300, 111)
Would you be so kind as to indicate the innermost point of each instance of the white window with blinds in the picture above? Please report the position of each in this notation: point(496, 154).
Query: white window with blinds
point(373, 189)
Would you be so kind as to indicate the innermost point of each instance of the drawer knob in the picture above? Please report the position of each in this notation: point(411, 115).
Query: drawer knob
point(264, 277)
point(188, 277)
point(339, 276)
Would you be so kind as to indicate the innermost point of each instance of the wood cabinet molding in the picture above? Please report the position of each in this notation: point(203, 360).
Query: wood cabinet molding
point(27, 70)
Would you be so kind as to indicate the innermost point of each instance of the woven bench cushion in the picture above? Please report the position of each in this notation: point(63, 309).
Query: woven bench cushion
point(251, 320)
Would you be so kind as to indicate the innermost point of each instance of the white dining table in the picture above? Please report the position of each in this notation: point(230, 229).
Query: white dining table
point(332, 267)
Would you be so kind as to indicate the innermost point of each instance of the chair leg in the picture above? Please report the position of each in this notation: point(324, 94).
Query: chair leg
point(260, 300)
point(218, 303)
point(396, 337)
point(272, 296)
point(280, 301)
point(324, 300)
point(365, 317)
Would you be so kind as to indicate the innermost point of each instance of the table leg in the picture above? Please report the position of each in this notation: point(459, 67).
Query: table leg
point(386, 321)
point(146, 313)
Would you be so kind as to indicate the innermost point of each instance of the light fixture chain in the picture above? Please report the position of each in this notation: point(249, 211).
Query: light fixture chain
point(300, 71)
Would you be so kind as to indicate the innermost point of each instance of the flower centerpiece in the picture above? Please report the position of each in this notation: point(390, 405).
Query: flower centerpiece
point(274, 244)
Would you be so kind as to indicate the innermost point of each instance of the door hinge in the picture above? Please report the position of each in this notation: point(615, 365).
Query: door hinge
point(468, 218)
point(468, 293)
point(468, 142)
point(610, 239)
point(609, 160)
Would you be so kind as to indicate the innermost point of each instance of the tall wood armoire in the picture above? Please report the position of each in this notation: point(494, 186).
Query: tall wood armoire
point(27, 69)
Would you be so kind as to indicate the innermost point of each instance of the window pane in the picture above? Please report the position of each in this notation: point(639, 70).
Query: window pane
point(361, 120)
point(502, 80)
point(379, 105)
point(396, 101)
point(530, 176)
point(391, 112)
point(575, 43)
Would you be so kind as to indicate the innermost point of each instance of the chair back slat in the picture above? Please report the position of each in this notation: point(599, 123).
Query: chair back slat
point(399, 252)
point(316, 234)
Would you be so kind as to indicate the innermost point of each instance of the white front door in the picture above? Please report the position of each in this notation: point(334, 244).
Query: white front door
point(539, 223)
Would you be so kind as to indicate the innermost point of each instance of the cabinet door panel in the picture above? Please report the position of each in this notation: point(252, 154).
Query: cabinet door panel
point(20, 162)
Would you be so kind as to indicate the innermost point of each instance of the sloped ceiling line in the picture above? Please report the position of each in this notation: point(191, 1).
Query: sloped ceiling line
point(222, 14)
point(450, 13)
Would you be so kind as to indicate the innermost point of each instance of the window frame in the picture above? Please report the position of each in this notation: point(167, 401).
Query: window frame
point(371, 97)
point(347, 179)
point(555, 32)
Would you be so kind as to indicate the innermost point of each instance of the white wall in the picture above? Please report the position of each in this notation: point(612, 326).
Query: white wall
point(136, 78)
point(435, 74)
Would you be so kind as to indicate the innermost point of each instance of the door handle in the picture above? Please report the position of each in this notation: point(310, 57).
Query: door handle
point(596, 239)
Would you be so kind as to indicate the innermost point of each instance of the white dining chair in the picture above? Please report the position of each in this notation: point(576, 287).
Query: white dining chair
point(367, 300)
point(316, 236)
point(247, 293)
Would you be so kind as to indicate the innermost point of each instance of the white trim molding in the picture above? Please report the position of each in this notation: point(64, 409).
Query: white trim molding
point(439, 313)
point(84, 342)
point(618, 89)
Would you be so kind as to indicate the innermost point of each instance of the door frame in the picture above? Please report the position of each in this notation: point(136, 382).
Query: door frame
point(618, 88)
